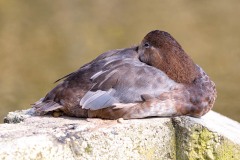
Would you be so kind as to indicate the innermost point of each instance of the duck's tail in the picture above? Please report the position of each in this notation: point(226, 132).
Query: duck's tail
point(43, 107)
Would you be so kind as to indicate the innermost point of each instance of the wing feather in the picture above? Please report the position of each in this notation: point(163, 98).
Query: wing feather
point(98, 100)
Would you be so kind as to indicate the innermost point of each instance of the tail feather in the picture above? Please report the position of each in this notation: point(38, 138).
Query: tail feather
point(42, 108)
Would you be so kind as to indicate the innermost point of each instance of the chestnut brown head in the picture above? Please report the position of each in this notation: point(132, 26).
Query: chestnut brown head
point(159, 49)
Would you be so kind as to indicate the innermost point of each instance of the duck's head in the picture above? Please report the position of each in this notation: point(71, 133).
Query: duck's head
point(159, 49)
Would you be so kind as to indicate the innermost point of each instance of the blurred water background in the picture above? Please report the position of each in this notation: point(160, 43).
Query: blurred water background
point(41, 41)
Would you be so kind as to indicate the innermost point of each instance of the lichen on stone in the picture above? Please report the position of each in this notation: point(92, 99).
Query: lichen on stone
point(88, 149)
point(203, 145)
point(195, 141)
point(227, 151)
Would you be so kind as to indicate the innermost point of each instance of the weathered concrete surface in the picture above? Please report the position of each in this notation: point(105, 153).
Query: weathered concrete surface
point(211, 137)
point(72, 138)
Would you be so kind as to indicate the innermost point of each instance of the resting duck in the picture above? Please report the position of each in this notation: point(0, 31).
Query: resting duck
point(156, 78)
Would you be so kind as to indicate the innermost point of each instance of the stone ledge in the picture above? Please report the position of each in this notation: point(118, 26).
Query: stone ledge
point(211, 137)
point(30, 137)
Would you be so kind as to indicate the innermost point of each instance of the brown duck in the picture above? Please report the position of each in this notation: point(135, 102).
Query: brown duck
point(156, 78)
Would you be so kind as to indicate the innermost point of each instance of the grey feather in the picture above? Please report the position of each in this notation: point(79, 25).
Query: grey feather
point(98, 100)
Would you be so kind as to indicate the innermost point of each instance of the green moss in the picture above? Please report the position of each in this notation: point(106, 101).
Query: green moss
point(202, 145)
point(198, 143)
point(88, 149)
point(207, 145)
point(227, 151)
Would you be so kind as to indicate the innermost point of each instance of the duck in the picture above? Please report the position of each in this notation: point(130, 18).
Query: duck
point(156, 78)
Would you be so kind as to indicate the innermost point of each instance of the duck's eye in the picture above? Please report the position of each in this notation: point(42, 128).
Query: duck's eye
point(146, 45)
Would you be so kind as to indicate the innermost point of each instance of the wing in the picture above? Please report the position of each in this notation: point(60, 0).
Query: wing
point(98, 99)
point(75, 85)
point(125, 81)
point(99, 58)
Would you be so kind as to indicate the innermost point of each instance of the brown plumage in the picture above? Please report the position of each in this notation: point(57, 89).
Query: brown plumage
point(161, 50)
point(156, 78)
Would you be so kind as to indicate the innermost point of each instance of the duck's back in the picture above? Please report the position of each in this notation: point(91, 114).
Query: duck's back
point(115, 77)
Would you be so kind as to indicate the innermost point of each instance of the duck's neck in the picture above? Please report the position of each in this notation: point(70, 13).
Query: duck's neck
point(180, 67)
